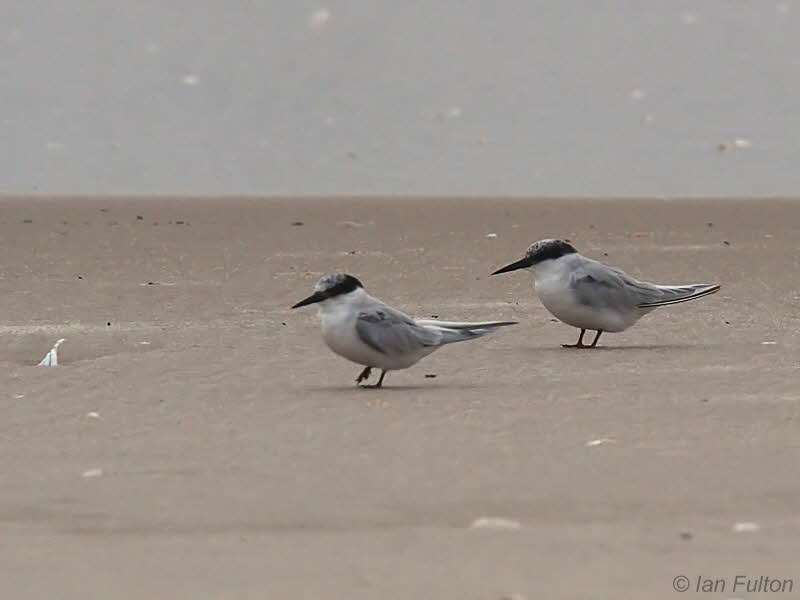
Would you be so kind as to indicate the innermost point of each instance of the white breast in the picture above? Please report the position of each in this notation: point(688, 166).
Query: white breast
point(338, 319)
point(552, 285)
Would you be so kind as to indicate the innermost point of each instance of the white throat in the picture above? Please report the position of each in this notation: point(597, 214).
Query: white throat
point(342, 302)
point(553, 267)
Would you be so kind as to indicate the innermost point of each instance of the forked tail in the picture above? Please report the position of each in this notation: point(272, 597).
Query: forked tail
point(675, 294)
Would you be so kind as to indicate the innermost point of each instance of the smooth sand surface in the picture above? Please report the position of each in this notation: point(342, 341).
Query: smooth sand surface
point(239, 461)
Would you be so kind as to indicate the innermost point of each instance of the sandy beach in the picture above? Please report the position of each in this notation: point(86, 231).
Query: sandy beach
point(200, 441)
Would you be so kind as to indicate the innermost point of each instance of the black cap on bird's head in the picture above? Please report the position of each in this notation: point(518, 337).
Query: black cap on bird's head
point(539, 252)
point(330, 286)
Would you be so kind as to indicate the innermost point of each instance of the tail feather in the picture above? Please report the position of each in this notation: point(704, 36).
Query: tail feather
point(463, 324)
point(453, 331)
point(675, 294)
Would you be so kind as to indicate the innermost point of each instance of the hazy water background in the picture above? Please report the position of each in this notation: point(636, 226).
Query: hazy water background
point(380, 96)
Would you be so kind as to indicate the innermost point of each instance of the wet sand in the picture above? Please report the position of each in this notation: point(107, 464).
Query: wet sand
point(238, 460)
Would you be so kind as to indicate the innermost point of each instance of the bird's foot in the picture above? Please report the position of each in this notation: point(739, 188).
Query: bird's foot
point(580, 344)
point(375, 386)
point(364, 375)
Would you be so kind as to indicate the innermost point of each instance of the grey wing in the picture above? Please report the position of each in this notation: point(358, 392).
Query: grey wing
point(391, 332)
point(600, 286)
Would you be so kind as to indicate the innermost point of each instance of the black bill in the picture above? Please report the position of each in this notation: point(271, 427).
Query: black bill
point(312, 299)
point(523, 263)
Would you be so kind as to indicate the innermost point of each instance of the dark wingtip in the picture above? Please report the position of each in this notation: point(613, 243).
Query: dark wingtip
point(713, 289)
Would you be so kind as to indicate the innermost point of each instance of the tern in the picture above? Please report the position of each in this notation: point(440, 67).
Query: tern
point(590, 295)
point(368, 332)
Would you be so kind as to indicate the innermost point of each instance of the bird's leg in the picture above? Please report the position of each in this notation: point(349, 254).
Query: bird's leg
point(579, 344)
point(364, 374)
point(380, 381)
point(597, 337)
